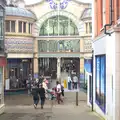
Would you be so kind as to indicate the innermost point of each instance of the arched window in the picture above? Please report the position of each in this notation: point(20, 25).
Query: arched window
point(58, 25)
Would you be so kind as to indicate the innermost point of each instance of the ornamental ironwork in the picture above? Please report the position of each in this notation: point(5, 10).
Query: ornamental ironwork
point(58, 4)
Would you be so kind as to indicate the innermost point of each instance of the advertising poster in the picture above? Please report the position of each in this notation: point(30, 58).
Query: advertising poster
point(87, 65)
point(101, 81)
point(97, 77)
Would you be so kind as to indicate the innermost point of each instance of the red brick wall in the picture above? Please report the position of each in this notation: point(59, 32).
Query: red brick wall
point(98, 14)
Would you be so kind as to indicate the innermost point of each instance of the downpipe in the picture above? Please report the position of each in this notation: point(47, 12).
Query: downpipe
point(110, 24)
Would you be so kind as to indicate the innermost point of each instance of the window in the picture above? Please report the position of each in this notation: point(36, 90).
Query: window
point(103, 12)
point(58, 25)
point(30, 28)
point(90, 27)
point(7, 24)
point(12, 26)
point(101, 81)
point(86, 27)
point(24, 27)
point(1, 27)
point(20, 26)
point(118, 9)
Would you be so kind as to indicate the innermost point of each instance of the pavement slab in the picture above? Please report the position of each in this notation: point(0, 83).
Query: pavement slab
point(20, 107)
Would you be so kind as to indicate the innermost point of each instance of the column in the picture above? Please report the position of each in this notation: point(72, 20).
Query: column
point(82, 45)
point(58, 68)
point(35, 62)
point(35, 59)
point(81, 69)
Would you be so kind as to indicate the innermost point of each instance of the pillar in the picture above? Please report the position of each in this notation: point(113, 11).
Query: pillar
point(58, 68)
point(35, 59)
point(35, 62)
point(81, 65)
point(82, 45)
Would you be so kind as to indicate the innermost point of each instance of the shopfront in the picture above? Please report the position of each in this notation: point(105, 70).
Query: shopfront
point(18, 72)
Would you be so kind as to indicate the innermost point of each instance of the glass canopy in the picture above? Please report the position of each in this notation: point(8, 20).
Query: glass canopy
point(58, 25)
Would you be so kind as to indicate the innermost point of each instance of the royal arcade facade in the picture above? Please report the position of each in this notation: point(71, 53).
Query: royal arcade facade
point(63, 37)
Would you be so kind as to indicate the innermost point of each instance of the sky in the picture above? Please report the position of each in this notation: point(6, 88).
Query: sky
point(35, 1)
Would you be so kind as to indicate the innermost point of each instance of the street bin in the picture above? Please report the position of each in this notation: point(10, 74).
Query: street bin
point(65, 83)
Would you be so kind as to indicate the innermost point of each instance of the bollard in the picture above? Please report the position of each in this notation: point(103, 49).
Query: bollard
point(76, 98)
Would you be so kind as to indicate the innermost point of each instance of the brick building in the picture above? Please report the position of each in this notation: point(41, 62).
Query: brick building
point(106, 47)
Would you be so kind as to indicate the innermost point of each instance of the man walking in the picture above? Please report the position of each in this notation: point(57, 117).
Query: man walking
point(42, 95)
point(69, 82)
point(75, 80)
point(35, 95)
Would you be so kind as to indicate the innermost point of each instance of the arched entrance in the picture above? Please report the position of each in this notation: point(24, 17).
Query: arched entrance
point(58, 45)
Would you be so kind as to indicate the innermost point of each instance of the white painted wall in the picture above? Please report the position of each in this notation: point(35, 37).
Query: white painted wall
point(106, 45)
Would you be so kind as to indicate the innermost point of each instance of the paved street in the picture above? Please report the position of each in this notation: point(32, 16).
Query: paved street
point(19, 107)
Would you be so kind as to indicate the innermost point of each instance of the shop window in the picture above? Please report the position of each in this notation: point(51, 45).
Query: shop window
point(101, 82)
point(20, 26)
point(24, 27)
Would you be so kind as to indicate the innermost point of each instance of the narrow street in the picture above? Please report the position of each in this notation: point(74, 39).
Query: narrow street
point(19, 107)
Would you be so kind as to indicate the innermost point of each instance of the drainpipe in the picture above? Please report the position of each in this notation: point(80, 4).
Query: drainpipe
point(92, 80)
point(105, 30)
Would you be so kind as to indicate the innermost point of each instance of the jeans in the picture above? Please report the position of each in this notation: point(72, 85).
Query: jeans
point(42, 100)
point(36, 101)
point(75, 85)
point(69, 85)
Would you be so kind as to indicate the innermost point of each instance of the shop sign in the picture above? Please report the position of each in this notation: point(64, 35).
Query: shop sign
point(2, 61)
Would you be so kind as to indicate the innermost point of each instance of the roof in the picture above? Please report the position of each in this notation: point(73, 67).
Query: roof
point(16, 11)
point(87, 13)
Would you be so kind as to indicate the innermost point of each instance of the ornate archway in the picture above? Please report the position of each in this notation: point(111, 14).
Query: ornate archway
point(51, 14)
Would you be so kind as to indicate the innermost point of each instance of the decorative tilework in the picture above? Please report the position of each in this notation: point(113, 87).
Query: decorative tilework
point(19, 45)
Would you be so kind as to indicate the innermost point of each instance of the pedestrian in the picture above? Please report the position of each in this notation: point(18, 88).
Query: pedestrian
point(75, 80)
point(42, 95)
point(35, 95)
point(62, 89)
point(69, 82)
point(59, 91)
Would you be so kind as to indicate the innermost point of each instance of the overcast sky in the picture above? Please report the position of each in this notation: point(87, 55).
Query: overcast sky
point(35, 1)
